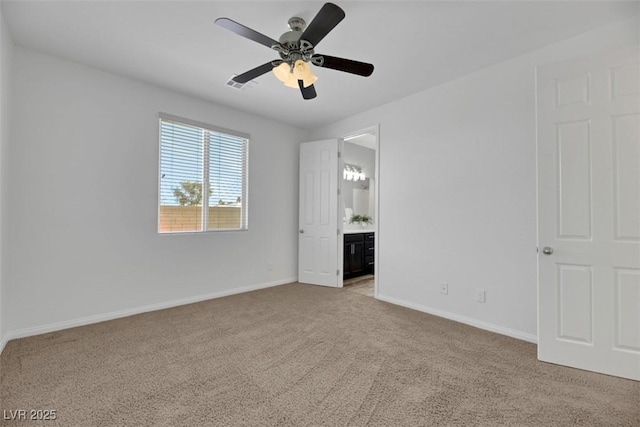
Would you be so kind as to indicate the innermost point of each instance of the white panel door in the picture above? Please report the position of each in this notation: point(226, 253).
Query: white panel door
point(318, 220)
point(589, 213)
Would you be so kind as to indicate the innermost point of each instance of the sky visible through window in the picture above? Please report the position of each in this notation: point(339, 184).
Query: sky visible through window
point(182, 151)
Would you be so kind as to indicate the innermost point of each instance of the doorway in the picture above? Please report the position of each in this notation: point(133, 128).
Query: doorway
point(359, 201)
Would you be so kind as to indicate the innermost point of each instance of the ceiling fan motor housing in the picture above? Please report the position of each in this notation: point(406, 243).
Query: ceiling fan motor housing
point(297, 24)
point(290, 38)
point(291, 47)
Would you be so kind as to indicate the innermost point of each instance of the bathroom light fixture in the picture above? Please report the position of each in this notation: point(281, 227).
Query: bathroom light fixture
point(353, 173)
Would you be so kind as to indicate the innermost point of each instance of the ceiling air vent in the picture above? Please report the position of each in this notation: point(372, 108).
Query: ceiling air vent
point(240, 86)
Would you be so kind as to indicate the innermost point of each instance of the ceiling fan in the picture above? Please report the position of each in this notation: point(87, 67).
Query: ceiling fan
point(296, 49)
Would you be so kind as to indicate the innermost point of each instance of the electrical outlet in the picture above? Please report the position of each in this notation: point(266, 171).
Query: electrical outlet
point(481, 295)
point(444, 288)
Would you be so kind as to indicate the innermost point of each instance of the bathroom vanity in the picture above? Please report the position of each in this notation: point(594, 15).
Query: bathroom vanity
point(359, 253)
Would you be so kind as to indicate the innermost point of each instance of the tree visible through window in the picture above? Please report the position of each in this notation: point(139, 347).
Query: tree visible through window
point(201, 166)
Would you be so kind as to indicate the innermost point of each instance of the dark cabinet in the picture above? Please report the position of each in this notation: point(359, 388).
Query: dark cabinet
point(369, 253)
point(358, 254)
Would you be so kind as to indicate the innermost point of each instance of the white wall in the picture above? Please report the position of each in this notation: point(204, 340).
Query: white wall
point(6, 49)
point(458, 189)
point(82, 201)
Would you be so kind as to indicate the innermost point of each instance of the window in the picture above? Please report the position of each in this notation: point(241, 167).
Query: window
point(201, 165)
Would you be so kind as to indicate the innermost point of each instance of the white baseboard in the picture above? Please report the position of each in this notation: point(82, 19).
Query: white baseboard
point(462, 319)
point(43, 329)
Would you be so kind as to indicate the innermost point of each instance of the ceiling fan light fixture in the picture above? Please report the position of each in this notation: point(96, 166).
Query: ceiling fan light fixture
point(292, 83)
point(301, 71)
point(283, 73)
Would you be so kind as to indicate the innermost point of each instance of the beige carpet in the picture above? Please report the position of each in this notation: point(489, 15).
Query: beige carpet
point(301, 355)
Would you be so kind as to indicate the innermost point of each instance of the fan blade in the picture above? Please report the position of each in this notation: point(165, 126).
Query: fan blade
point(252, 74)
point(346, 65)
point(308, 92)
point(246, 32)
point(327, 18)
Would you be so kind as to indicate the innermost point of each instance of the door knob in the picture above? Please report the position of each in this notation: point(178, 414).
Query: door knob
point(301, 231)
point(547, 250)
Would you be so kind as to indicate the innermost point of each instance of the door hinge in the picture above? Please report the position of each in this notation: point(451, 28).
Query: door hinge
point(339, 154)
point(337, 272)
point(338, 231)
point(338, 191)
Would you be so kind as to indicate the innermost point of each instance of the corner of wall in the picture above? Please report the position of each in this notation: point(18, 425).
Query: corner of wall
point(6, 50)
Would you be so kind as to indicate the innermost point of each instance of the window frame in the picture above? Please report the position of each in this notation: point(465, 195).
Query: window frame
point(244, 213)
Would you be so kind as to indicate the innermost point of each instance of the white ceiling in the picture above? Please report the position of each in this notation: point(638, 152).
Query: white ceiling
point(413, 45)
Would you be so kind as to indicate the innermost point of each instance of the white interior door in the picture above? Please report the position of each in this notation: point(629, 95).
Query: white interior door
point(318, 220)
point(589, 213)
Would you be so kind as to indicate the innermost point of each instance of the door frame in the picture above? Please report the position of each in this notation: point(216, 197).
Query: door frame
point(375, 131)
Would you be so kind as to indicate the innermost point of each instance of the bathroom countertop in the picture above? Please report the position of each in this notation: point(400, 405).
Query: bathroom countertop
point(358, 230)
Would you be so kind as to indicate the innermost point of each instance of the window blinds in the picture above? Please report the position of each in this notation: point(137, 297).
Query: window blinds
point(201, 166)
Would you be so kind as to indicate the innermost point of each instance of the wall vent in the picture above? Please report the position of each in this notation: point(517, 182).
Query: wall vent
point(241, 86)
